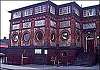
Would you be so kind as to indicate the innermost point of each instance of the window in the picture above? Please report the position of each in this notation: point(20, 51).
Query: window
point(26, 37)
point(36, 10)
point(64, 10)
point(89, 26)
point(77, 25)
point(16, 26)
point(15, 37)
point(45, 52)
point(15, 22)
point(40, 23)
point(64, 24)
point(76, 11)
point(53, 23)
point(52, 9)
point(17, 14)
point(27, 12)
point(60, 11)
point(39, 35)
point(64, 35)
point(89, 12)
point(40, 9)
point(44, 8)
point(27, 25)
point(38, 51)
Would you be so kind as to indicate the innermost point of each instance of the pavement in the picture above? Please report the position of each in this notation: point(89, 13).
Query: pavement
point(46, 67)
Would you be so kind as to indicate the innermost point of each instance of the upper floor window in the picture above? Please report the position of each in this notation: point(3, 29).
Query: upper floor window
point(89, 12)
point(40, 23)
point(17, 14)
point(64, 10)
point(64, 24)
point(52, 9)
point(16, 22)
point(16, 26)
point(89, 26)
point(78, 25)
point(27, 12)
point(27, 25)
point(40, 9)
point(76, 11)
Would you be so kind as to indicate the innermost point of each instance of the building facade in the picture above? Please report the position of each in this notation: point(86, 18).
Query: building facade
point(46, 33)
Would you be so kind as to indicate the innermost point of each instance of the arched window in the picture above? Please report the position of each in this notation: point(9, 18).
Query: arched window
point(39, 35)
point(64, 35)
point(26, 37)
point(15, 37)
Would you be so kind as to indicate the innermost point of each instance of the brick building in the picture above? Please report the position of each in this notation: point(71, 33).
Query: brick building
point(46, 33)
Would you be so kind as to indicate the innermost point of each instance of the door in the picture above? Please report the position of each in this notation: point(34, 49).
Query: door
point(90, 46)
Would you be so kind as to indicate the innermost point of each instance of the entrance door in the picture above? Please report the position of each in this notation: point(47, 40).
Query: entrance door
point(90, 46)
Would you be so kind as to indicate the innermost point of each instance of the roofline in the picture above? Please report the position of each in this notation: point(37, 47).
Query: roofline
point(91, 6)
point(26, 7)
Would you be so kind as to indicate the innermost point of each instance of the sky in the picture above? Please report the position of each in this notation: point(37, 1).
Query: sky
point(11, 5)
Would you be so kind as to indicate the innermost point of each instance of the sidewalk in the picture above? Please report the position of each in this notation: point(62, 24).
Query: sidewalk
point(47, 67)
point(14, 67)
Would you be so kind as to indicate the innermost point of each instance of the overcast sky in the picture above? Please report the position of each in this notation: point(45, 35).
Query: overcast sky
point(10, 5)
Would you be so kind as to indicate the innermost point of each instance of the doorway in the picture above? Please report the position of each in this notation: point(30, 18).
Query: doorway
point(90, 45)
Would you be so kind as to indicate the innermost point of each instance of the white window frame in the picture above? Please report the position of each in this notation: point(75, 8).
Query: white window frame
point(89, 26)
point(15, 26)
point(28, 12)
point(37, 22)
point(38, 51)
point(45, 51)
point(40, 9)
point(64, 10)
point(52, 9)
point(27, 25)
point(64, 24)
point(17, 14)
point(87, 13)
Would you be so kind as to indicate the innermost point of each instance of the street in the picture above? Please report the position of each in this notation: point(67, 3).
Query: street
point(46, 67)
